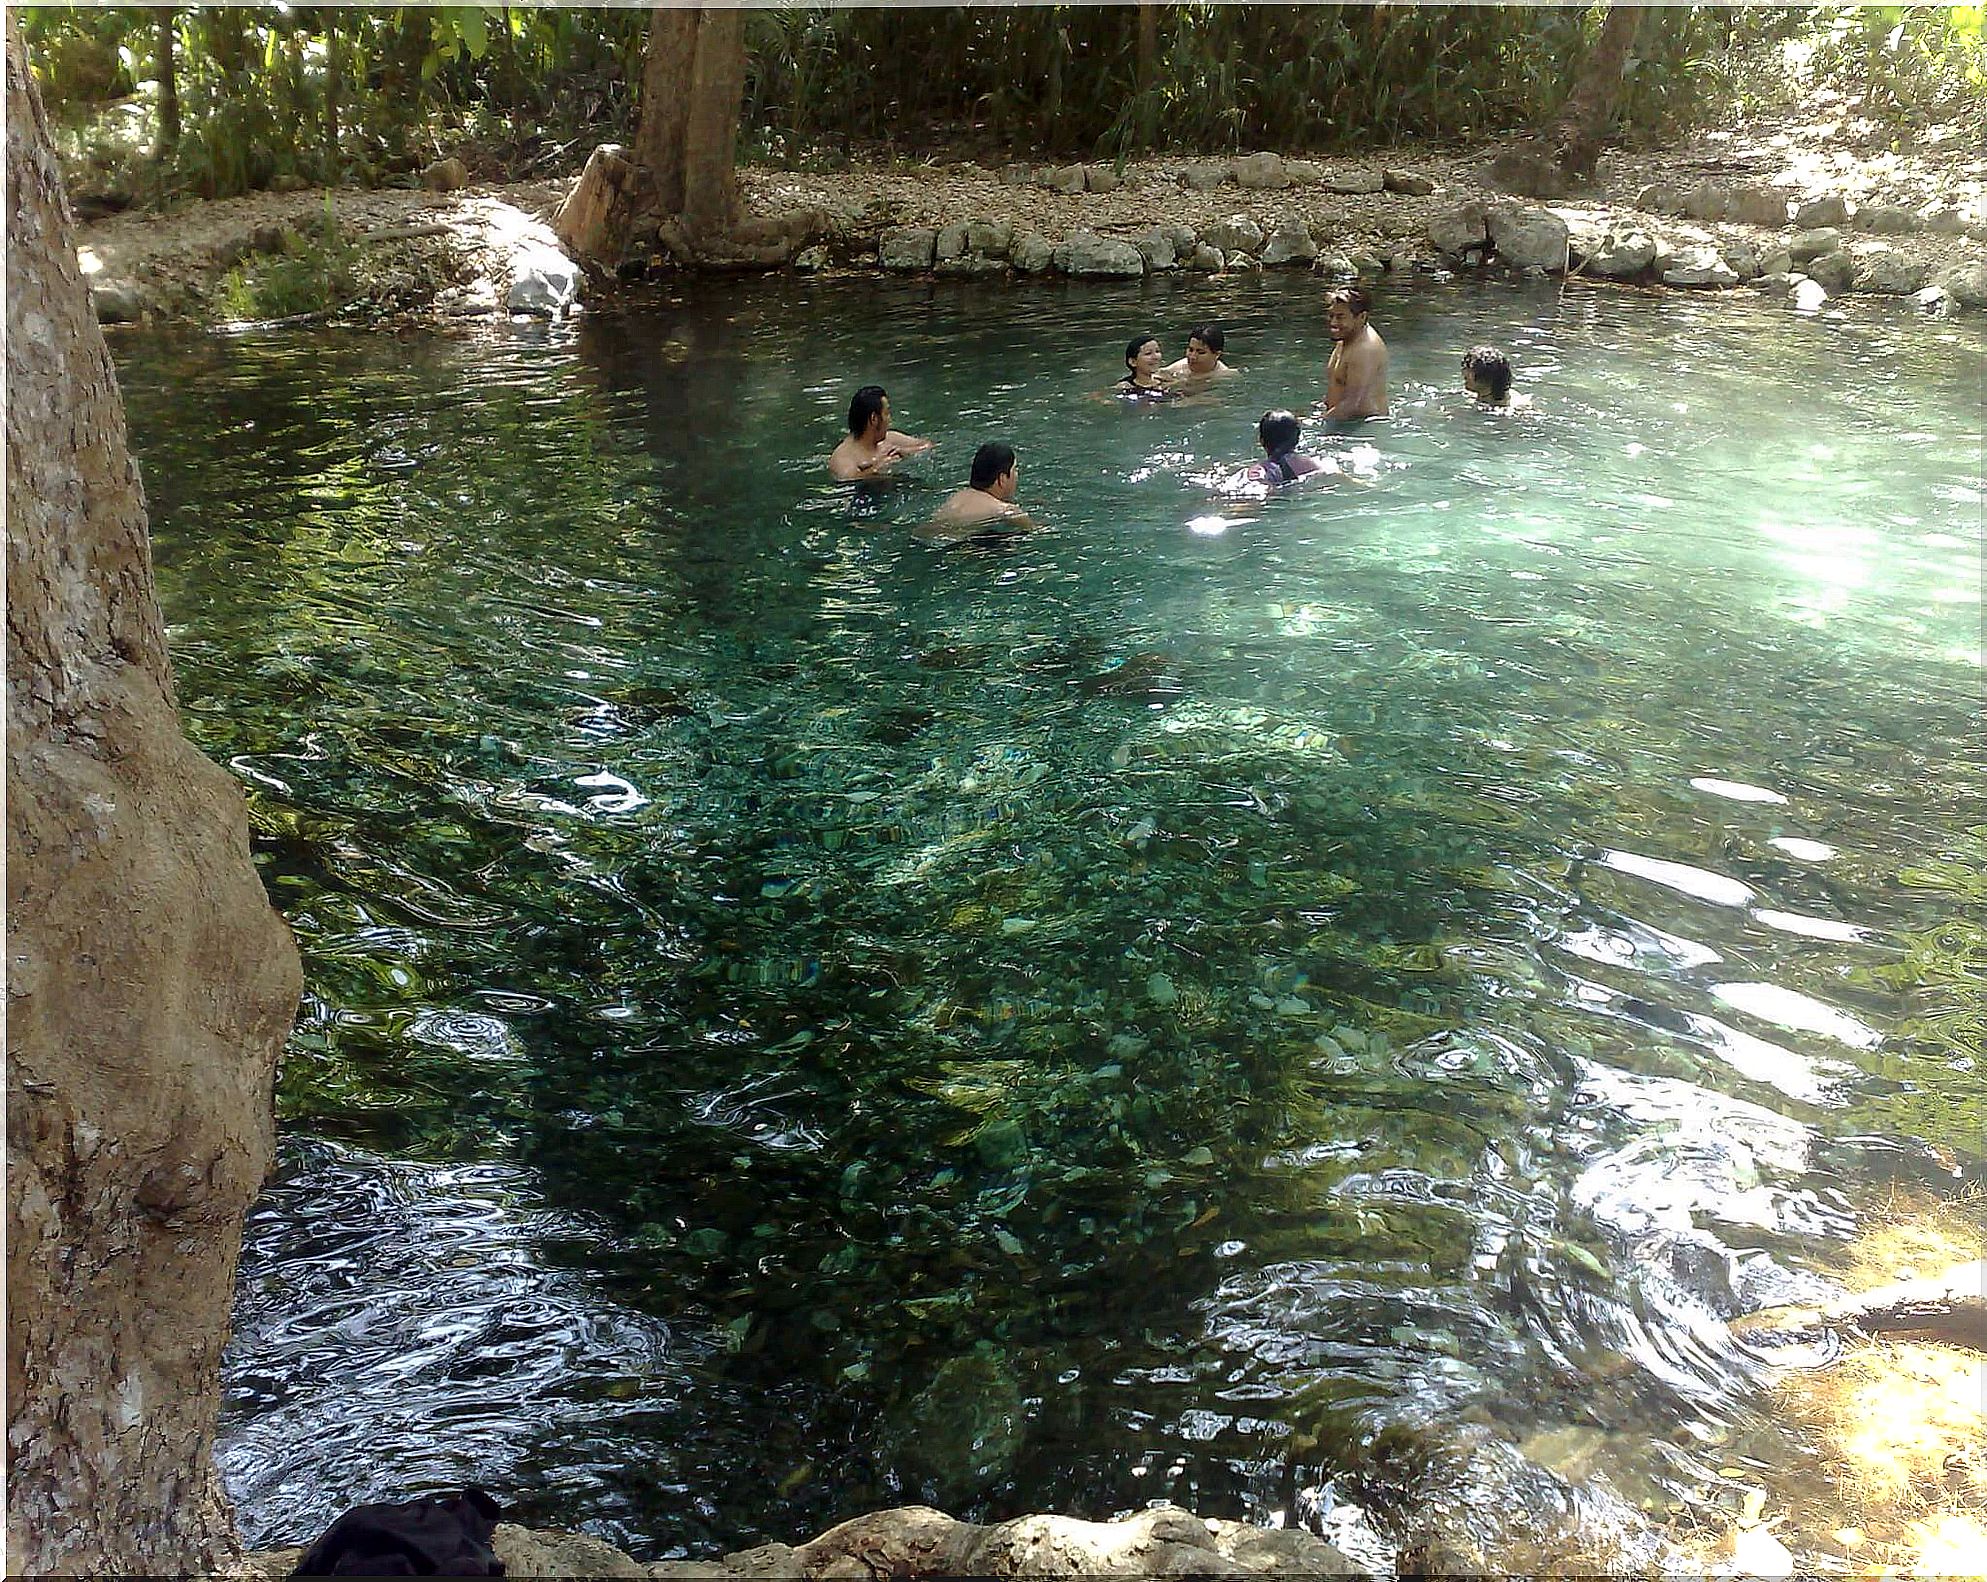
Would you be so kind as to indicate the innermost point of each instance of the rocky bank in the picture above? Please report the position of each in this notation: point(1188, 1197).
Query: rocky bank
point(1800, 223)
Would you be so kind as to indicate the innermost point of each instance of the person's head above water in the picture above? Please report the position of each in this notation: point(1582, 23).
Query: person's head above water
point(1204, 343)
point(994, 467)
point(1346, 310)
point(1139, 350)
point(1279, 432)
point(868, 404)
point(1486, 373)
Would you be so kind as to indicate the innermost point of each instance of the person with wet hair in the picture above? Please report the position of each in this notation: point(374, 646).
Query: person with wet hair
point(986, 505)
point(1487, 376)
point(873, 447)
point(1278, 433)
point(1203, 363)
point(1356, 376)
point(1141, 381)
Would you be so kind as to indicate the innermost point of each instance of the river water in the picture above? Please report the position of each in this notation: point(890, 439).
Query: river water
point(1315, 1008)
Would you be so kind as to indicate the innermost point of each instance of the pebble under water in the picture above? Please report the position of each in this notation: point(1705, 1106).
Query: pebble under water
point(1314, 1008)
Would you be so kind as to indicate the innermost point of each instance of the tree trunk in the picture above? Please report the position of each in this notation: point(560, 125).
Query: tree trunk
point(710, 139)
point(1583, 121)
point(149, 983)
point(164, 22)
point(334, 88)
point(663, 118)
point(1148, 73)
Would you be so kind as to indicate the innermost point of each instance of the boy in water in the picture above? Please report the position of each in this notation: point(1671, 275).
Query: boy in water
point(1487, 376)
point(1202, 364)
point(986, 504)
point(873, 446)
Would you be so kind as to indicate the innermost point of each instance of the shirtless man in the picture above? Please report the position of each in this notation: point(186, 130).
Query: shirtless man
point(1356, 376)
point(986, 505)
point(873, 446)
point(1203, 360)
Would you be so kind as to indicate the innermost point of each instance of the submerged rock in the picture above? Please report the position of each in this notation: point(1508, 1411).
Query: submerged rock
point(908, 248)
point(960, 1435)
point(543, 281)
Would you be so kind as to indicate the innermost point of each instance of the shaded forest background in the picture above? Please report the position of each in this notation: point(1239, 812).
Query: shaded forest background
point(155, 105)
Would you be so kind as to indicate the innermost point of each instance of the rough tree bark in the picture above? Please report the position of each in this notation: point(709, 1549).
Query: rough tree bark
point(164, 22)
point(1583, 121)
point(149, 983)
point(710, 135)
point(664, 112)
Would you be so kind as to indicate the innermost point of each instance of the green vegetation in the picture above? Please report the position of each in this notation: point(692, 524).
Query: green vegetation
point(156, 103)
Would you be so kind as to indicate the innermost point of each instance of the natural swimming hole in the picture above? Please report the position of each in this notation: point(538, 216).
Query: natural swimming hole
point(1288, 1005)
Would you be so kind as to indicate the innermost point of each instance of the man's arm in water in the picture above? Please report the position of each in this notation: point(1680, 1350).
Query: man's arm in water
point(905, 444)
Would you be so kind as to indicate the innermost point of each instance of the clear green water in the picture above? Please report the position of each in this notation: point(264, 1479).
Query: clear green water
point(1287, 1007)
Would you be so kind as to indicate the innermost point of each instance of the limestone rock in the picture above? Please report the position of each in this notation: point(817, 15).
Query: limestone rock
point(1524, 237)
point(1623, 255)
point(1889, 219)
point(1157, 246)
point(1205, 258)
point(1062, 178)
point(1237, 233)
point(950, 242)
point(1808, 296)
point(1460, 230)
point(1966, 283)
point(1101, 178)
point(1400, 261)
point(1356, 180)
point(116, 302)
point(1775, 283)
point(1291, 244)
point(446, 175)
point(1204, 176)
point(1942, 221)
point(1885, 272)
point(1660, 197)
point(1261, 173)
point(1819, 212)
point(1935, 300)
point(1409, 183)
point(1707, 201)
point(1031, 253)
point(1241, 262)
point(1337, 266)
point(811, 260)
point(961, 1434)
point(907, 248)
point(1364, 263)
point(1776, 260)
point(1303, 172)
point(1813, 243)
point(1017, 175)
point(1699, 268)
point(972, 266)
point(1182, 236)
point(1835, 272)
point(1093, 257)
point(991, 237)
point(1741, 259)
point(1755, 205)
point(543, 281)
point(526, 1552)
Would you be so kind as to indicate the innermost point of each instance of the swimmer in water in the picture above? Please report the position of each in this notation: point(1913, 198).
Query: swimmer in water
point(1279, 432)
point(1141, 381)
point(986, 505)
point(1202, 365)
point(1356, 376)
point(1487, 376)
point(873, 446)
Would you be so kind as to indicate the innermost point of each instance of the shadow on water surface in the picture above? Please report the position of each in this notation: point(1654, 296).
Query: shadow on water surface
point(797, 1020)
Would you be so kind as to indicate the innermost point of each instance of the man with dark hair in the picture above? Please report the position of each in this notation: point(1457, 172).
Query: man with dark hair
point(1356, 376)
point(986, 504)
point(873, 446)
point(1487, 376)
point(1203, 360)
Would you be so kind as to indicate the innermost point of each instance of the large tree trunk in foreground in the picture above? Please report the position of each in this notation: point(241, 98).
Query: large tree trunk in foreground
point(149, 983)
point(1583, 121)
point(663, 116)
point(710, 136)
